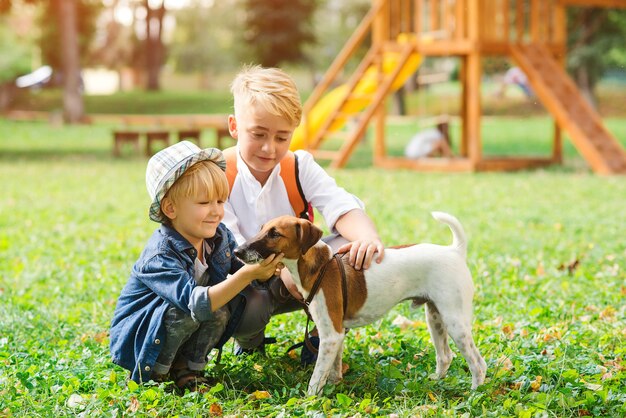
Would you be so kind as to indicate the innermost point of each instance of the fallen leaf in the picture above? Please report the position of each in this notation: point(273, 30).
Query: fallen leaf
point(215, 410)
point(75, 400)
point(258, 367)
point(551, 334)
point(402, 322)
point(608, 314)
point(134, 404)
point(536, 384)
point(540, 270)
point(593, 386)
point(432, 397)
point(260, 394)
point(101, 336)
point(505, 363)
point(615, 364)
point(507, 330)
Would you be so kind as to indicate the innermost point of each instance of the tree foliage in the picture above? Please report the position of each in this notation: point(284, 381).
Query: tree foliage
point(196, 49)
point(87, 12)
point(277, 30)
point(595, 44)
point(15, 57)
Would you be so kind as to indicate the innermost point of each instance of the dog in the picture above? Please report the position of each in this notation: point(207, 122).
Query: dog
point(429, 274)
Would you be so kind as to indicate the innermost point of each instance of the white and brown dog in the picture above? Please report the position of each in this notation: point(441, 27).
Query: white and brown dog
point(424, 273)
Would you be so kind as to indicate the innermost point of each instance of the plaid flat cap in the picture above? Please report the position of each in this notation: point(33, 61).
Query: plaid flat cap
point(167, 165)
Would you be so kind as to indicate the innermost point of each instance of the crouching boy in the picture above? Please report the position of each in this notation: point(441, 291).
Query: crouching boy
point(183, 295)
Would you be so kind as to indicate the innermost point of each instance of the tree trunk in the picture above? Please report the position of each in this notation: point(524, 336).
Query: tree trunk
point(154, 44)
point(73, 107)
point(399, 101)
point(586, 85)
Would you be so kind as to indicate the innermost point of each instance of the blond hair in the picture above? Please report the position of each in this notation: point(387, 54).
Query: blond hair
point(271, 88)
point(204, 178)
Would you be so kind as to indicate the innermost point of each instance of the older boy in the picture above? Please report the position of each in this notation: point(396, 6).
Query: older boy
point(267, 111)
point(183, 295)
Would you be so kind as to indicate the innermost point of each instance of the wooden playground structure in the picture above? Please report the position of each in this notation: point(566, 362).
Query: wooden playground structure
point(531, 32)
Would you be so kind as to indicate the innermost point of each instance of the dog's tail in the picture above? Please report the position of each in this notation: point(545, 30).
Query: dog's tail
point(459, 240)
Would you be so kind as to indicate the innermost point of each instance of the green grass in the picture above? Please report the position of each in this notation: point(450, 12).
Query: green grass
point(73, 220)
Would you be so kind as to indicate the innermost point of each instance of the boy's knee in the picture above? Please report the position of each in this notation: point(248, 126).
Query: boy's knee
point(220, 317)
point(179, 323)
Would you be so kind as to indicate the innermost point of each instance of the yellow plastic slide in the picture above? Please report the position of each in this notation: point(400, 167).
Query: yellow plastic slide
point(366, 87)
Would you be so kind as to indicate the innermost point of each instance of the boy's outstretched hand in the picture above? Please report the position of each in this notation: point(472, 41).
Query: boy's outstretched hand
point(265, 269)
point(362, 252)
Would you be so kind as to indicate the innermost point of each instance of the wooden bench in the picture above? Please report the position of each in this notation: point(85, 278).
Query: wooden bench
point(125, 137)
point(156, 136)
point(161, 127)
point(190, 135)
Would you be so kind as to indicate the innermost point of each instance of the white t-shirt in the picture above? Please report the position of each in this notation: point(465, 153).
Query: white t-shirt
point(250, 205)
point(201, 266)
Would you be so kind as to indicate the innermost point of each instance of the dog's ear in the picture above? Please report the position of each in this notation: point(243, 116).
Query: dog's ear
point(308, 234)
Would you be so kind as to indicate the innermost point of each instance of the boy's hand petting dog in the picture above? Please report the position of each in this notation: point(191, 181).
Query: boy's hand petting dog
point(265, 269)
point(362, 252)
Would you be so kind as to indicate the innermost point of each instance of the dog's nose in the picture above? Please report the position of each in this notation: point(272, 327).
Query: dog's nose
point(238, 252)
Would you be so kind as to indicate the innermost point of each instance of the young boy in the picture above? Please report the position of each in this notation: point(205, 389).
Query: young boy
point(183, 295)
point(267, 111)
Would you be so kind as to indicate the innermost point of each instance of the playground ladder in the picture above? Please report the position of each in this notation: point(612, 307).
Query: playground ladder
point(572, 112)
point(370, 102)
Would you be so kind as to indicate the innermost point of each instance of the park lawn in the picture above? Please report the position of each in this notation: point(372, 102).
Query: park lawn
point(547, 253)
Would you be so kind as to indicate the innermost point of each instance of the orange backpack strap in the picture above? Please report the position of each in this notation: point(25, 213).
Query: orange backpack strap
point(288, 172)
point(291, 177)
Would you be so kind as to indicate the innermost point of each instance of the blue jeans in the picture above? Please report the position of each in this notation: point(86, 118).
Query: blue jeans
point(190, 341)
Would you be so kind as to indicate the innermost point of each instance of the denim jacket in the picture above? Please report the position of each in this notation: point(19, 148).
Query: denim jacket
point(164, 276)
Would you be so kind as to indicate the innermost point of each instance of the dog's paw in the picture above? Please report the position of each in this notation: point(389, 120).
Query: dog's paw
point(436, 376)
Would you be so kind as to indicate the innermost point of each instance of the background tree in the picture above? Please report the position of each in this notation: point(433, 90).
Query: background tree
point(15, 60)
point(64, 41)
point(194, 49)
point(277, 30)
point(595, 44)
point(62, 23)
point(119, 44)
point(154, 48)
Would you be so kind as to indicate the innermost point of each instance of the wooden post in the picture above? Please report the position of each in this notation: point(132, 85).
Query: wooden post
point(519, 20)
point(471, 88)
point(459, 19)
point(379, 37)
point(559, 38)
point(434, 15)
point(405, 14)
point(448, 12)
point(506, 22)
point(534, 20)
point(417, 18)
point(380, 150)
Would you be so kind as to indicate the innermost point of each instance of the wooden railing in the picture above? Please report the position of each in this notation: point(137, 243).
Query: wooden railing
point(438, 19)
point(506, 22)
